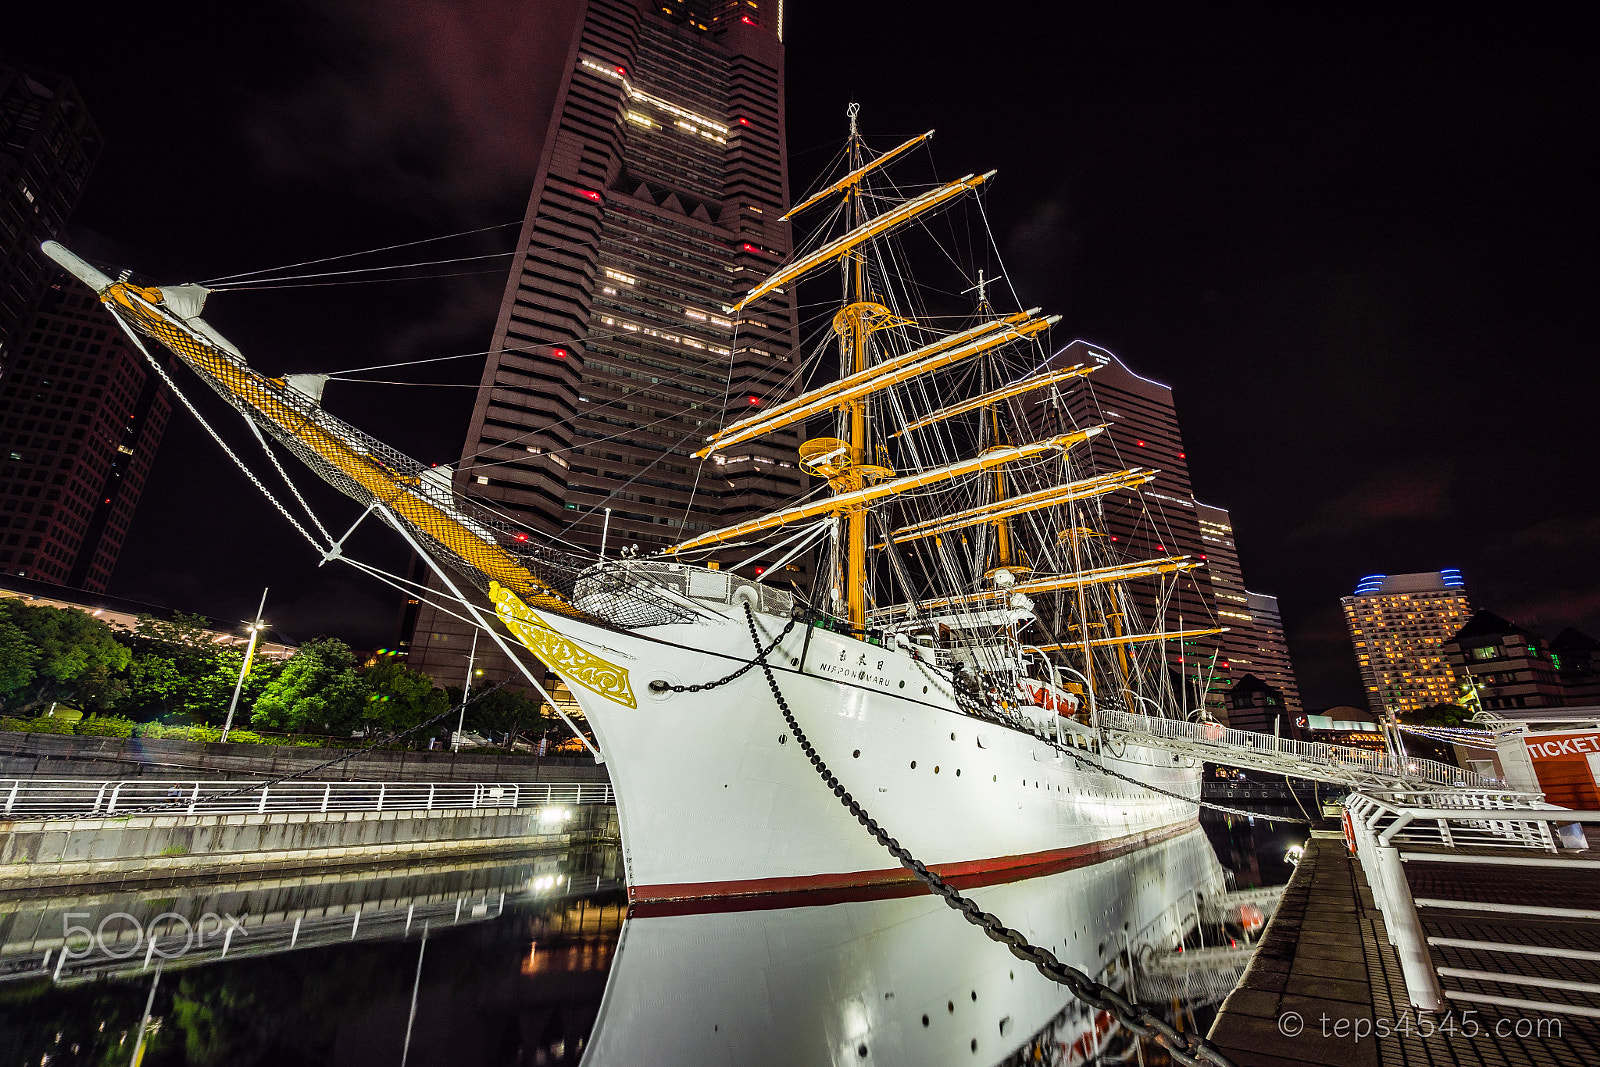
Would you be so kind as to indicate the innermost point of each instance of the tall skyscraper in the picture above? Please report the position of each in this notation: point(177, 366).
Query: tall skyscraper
point(1161, 519)
point(1254, 643)
point(655, 208)
point(1399, 624)
point(1270, 654)
point(1236, 657)
point(48, 144)
point(80, 418)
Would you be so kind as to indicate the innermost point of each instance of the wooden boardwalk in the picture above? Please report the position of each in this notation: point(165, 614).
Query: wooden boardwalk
point(1325, 988)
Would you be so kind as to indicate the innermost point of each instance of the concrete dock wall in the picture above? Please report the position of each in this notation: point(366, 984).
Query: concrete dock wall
point(69, 756)
point(140, 849)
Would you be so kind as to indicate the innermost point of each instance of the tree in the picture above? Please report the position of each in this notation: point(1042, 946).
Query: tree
point(17, 656)
point(317, 689)
point(503, 711)
point(399, 698)
point(180, 667)
point(76, 657)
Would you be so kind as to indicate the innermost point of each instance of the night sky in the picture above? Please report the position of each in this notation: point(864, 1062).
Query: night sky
point(1360, 245)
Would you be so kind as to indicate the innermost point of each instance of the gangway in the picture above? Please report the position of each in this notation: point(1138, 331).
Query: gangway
point(1357, 768)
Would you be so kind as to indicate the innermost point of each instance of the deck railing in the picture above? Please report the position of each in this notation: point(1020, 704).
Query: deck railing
point(1381, 823)
point(1219, 744)
point(25, 798)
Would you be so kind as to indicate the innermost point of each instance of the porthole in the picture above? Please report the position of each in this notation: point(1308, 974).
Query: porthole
point(924, 689)
point(935, 768)
point(861, 1050)
point(952, 737)
point(974, 1044)
point(950, 1006)
point(924, 1020)
point(856, 754)
point(783, 739)
point(902, 683)
point(913, 764)
point(958, 772)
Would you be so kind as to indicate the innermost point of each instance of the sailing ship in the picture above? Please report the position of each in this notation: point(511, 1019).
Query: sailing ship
point(968, 622)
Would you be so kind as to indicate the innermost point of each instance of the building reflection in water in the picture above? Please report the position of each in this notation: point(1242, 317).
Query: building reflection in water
point(534, 959)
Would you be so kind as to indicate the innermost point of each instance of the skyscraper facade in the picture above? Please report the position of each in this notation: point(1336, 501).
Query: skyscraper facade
point(1160, 520)
point(48, 144)
point(656, 205)
point(1236, 652)
point(80, 418)
point(1254, 643)
point(1399, 624)
point(1269, 655)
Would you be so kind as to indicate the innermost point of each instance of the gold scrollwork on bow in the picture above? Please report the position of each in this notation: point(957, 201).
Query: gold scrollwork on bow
point(567, 658)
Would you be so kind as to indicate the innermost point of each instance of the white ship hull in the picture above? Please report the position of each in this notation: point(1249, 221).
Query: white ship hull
point(716, 799)
point(907, 981)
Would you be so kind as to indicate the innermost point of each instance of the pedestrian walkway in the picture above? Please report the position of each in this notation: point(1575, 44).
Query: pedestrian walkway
point(1357, 768)
point(1326, 988)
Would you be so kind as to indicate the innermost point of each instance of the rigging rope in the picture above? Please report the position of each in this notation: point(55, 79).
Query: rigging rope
point(270, 282)
point(352, 255)
point(201, 419)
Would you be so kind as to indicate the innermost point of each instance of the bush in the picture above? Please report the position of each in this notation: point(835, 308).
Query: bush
point(105, 726)
point(40, 726)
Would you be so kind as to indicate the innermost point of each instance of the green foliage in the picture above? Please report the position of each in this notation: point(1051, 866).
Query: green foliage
point(317, 689)
point(75, 657)
point(180, 668)
point(18, 656)
point(1438, 715)
point(399, 698)
point(505, 711)
point(41, 725)
point(105, 726)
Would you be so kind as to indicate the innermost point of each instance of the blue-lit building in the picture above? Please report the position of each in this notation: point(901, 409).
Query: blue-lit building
point(1399, 625)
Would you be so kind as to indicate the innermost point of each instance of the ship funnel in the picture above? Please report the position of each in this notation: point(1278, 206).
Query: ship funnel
point(75, 266)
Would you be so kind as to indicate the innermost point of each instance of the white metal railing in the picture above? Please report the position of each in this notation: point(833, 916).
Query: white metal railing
point(1382, 822)
point(1216, 743)
point(25, 798)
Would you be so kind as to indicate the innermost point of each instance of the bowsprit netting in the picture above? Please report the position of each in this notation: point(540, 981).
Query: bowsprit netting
point(459, 533)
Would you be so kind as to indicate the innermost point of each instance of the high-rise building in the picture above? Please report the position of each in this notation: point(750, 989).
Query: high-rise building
point(48, 144)
point(1159, 520)
point(1269, 658)
point(1237, 644)
point(1254, 643)
point(1507, 664)
point(1254, 705)
point(656, 206)
point(1399, 624)
point(80, 418)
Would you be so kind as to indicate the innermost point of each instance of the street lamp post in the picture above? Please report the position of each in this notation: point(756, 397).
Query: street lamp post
point(255, 629)
point(461, 720)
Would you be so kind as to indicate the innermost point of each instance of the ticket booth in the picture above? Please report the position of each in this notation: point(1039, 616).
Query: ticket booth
point(1560, 759)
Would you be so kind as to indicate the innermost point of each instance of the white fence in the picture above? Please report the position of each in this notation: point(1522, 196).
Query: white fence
point(25, 798)
point(1216, 743)
point(1445, 821)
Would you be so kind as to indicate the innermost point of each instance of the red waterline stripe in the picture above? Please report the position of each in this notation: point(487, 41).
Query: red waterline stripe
point(766, 894)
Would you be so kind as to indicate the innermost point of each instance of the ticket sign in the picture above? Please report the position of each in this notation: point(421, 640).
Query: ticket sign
point(1567, 765)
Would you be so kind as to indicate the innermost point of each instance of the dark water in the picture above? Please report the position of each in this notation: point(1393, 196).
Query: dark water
point(515, 955)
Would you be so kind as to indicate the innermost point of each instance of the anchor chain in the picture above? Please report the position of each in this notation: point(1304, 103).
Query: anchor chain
point(660, 686)
point(1190, 1050)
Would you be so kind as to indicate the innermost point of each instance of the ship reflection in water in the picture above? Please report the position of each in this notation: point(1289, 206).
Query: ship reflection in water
point(528, 960)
